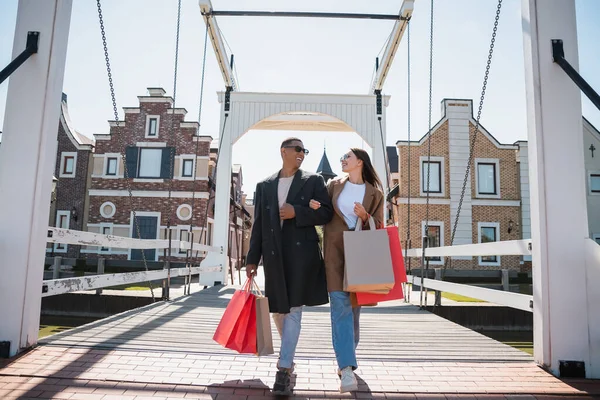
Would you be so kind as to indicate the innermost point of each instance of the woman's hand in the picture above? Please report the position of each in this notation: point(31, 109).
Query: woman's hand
point(360, 212)
point(315, 205)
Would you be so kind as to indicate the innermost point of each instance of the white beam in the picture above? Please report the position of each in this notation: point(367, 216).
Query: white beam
point(504, 248)
point(69, 285)
point(562, 320)
point(508, 299)
point(27, 159)
point(222, 205)
point(81, 238)
point(390, 51)
point(217, 41)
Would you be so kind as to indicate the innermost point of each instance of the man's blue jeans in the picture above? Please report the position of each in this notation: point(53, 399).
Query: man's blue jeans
point(288, 326)
point(345, 329)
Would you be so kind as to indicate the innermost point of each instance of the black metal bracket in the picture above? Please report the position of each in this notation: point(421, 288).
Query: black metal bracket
point(558, 55)
point(305, 15)
point(379, 103)
point(30, 48)
point(227, 103)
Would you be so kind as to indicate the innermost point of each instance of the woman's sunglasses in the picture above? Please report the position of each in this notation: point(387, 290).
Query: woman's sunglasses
point(298, 149)
point(344, 157)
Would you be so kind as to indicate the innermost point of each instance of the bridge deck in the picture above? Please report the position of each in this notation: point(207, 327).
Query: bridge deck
point(166, 351)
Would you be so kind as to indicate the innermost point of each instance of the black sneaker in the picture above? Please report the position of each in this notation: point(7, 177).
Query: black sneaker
point(282, 386)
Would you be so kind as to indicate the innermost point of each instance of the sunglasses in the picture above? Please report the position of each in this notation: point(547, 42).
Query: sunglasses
point(298, 149)
point(344, 157)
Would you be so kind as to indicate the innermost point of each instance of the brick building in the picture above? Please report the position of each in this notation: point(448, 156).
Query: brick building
point(496, 201)
point(156, 137)
point(70, 202)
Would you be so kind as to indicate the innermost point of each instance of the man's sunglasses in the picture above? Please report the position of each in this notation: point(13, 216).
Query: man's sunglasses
point(298, 149)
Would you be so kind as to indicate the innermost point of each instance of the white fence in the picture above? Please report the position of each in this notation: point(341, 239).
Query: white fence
point(509, 247)
point(67, 285)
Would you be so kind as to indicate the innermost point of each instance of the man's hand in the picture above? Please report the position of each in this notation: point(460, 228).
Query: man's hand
point(314, 204)
point(250, 270)
point(287, 212)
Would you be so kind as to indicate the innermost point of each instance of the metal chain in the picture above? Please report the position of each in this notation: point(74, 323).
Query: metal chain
point(472, 144)
point(121, 140)
point(173, 140)
point(424, 260)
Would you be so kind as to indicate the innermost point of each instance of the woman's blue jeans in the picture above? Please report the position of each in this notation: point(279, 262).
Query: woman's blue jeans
point(345, 329)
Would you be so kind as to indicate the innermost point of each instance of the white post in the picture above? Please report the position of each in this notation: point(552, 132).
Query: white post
point(558, 201)
point(26, 165)
point(221, 218)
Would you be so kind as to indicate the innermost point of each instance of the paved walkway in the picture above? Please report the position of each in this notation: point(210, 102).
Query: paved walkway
point(165, 350)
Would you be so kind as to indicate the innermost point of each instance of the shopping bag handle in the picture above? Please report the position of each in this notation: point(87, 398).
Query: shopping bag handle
point(251, 285)
point(359, 224)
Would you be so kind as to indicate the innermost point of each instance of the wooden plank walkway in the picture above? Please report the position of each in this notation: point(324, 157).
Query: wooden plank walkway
point(165, 350)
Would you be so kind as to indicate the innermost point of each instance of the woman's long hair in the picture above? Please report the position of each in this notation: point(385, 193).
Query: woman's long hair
point(368, 171)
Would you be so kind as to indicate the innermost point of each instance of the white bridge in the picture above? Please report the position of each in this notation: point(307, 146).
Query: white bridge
point(566, 262)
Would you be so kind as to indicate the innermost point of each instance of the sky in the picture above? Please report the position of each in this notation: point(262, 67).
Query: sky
point(303, 56)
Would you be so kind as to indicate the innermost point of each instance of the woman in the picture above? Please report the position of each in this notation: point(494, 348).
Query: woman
point(356, 198)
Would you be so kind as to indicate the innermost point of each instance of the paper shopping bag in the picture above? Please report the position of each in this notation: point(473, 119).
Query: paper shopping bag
point(237, 328)
point(368, 260)
point(399, 273)
point(264, 338)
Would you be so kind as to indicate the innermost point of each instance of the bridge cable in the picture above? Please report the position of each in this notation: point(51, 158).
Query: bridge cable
point(476, 130)
point(121, 141)
point(425, 260)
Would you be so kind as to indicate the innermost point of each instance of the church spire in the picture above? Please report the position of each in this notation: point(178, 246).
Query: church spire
point(324, 168)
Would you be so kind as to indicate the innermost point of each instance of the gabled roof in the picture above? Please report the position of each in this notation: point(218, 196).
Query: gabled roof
point(472, 120)
point(81, 142)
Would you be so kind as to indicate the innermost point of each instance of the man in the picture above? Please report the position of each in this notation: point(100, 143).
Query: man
point(284, 236)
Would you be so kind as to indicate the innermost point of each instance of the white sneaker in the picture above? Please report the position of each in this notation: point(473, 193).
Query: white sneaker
point(348, 383)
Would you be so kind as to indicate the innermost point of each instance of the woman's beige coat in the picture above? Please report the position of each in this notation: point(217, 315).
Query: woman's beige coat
point(333, 239)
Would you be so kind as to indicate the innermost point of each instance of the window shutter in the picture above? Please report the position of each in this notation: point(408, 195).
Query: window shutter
point(131, 159)
point(165, 166)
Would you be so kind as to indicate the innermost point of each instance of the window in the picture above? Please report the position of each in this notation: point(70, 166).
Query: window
point(595, 183)
point(434, 177)
point(187, 169)
point(487, 177)
point(108, 209)
point(111, 166)
point(68, 163)
point(434, 166)
point(596, 237)
point(106, 230)
point(489, 232)
point(184, 236)
point(62, 221)
point(152, 127)
point(486, 182)
point(150, 163)
point(435, 233)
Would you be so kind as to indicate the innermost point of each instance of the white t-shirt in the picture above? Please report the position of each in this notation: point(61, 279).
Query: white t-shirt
point(351, 193)
point(283, 189)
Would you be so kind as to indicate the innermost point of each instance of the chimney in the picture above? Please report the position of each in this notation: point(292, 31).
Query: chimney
point(156, 92)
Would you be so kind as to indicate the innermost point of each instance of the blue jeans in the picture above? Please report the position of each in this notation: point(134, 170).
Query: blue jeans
point(288, 326)
point(345, 329)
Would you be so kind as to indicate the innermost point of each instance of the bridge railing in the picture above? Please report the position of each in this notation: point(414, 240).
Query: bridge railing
point(54, 287)
point(510, 247)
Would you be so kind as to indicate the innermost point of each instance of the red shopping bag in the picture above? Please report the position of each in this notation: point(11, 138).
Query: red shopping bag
point(237, 328)
point(399, 273)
